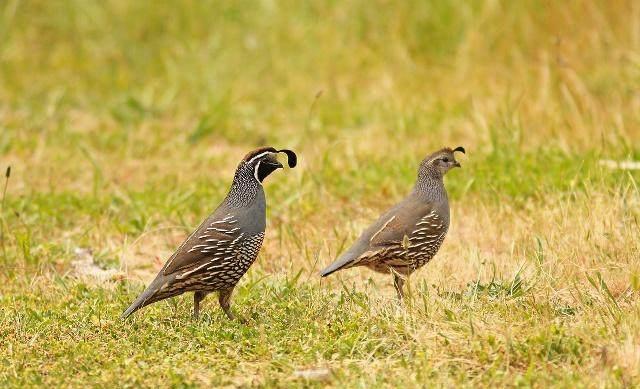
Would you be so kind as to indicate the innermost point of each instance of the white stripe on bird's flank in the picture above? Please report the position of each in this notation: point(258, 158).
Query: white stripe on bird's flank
point(194, 248)
point(222, 230)
point(182, 275)
point(383, 227)
point(227, 219)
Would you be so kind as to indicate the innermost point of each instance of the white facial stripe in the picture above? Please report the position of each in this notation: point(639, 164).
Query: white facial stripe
point(255, 171)
point(435, 158)
point(259, 156)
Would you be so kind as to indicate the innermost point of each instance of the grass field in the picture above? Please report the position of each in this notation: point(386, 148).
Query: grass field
point(123, 123)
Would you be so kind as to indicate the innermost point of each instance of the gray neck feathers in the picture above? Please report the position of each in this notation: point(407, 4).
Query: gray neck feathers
point(244, 188)
point(430, 184)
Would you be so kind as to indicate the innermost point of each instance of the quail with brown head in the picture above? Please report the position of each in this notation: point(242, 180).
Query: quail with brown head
point(409, 234)
point(221, 250)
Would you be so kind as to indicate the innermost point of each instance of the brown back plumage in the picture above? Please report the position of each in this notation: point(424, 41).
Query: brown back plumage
point(258, 151)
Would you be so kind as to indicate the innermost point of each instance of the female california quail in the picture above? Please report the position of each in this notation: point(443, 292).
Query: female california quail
point(409, 234)
point(218, 253)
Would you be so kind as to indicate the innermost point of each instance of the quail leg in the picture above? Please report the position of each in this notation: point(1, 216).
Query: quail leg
point(197, 297)
point(398, 283)
point(224, 298)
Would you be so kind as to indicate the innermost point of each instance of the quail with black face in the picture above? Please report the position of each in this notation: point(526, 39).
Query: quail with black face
point(409, 234)
point(221, 250)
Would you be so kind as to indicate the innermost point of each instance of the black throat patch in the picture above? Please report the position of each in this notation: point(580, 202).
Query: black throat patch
point(264, 169)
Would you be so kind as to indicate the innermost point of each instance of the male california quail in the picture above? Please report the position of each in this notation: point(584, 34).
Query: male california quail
point(218, 253)
point(409, 234)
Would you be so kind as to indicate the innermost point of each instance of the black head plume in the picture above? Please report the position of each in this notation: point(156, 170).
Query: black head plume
point(460, 149)
point(292, 158)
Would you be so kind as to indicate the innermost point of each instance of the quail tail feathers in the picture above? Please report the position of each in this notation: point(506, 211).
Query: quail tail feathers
point(343, 262)
point(149, 296)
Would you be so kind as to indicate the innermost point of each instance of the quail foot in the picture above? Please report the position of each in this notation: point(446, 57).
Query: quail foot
point(221, 250)
point(409, 234)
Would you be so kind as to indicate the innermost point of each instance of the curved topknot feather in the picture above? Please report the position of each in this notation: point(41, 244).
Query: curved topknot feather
point(292, 158)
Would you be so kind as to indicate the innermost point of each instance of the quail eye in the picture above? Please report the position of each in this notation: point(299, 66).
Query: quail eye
point(445, 159)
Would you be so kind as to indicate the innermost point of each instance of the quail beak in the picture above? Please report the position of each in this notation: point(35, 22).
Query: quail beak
point(275, 162)
point(457, 164)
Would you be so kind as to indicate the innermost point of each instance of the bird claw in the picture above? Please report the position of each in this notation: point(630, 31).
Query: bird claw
point(234, 317)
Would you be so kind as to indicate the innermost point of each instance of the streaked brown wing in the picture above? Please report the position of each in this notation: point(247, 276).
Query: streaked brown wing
point(399, 226)
point(217, 238)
